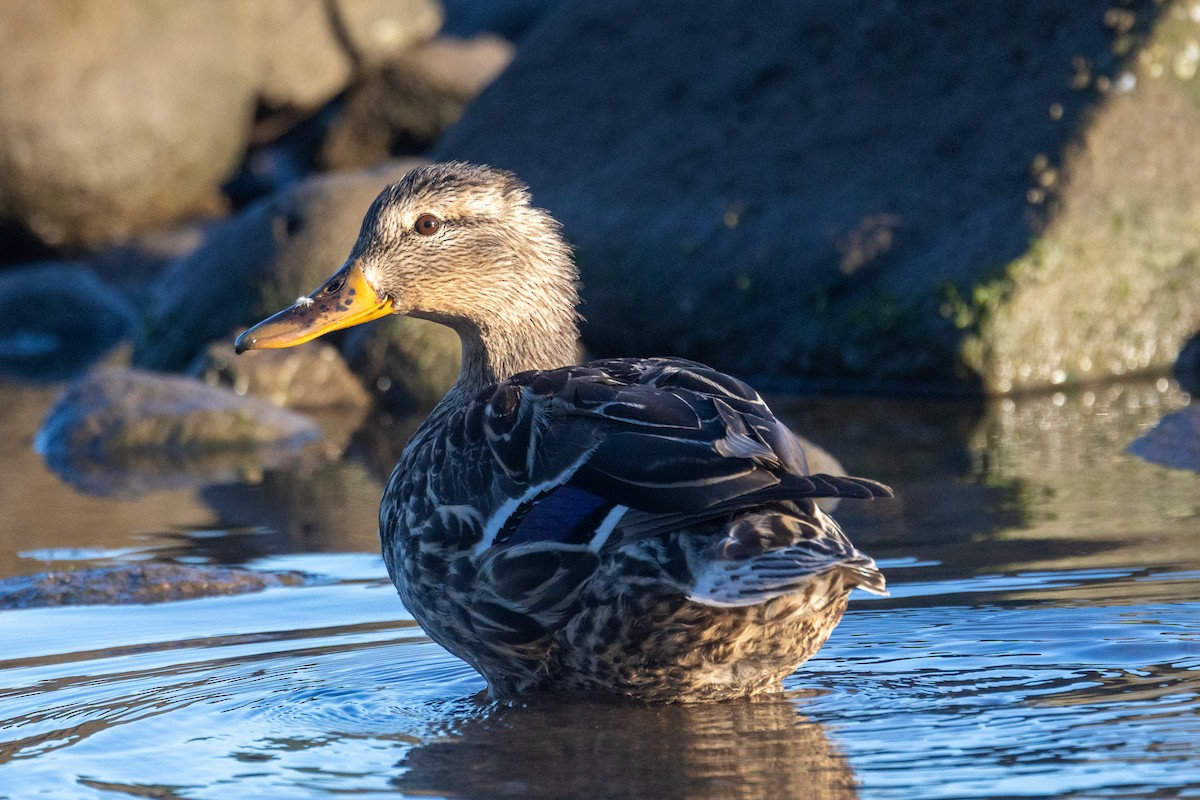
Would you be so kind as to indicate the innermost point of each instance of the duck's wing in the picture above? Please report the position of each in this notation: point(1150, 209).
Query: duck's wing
point(655, 444)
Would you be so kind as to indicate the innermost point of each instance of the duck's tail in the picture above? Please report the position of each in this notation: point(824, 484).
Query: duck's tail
point(787, 549)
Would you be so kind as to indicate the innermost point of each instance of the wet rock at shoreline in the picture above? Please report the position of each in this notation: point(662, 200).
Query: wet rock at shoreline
point(56, 319)
point(260, 261)
point(972, 198)
point(130, 584)
point(126, 432)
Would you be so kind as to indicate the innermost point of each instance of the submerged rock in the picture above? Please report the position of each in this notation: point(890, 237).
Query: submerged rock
point(129, 584)
point(1174, 442)
point(968, 197)
point(56, 319)
point(284, 246)
point(125, 432)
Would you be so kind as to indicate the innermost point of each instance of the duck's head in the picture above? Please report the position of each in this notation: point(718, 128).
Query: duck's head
point(456, 243)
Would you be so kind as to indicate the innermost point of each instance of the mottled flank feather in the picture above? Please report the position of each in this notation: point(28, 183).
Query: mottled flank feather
point(643, 526)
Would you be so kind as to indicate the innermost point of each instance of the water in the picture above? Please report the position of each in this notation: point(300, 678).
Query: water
point(1042, 637)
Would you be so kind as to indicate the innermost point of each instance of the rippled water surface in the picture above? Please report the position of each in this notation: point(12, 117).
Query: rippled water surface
point(1042, 637)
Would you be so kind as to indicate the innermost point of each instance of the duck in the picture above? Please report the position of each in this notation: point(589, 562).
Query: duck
point(640, 526)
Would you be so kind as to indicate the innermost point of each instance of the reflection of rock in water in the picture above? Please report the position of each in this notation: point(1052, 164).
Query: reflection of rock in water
point(1174, 442)
point(1010, 484)
point(1079, 491)
point(556, 747)
point(334, 507)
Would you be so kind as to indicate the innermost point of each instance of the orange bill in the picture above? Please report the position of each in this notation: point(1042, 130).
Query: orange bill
point(344, 300)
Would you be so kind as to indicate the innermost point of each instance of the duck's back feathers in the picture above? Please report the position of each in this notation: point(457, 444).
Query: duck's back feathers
point(660, 435)
point(588, 459)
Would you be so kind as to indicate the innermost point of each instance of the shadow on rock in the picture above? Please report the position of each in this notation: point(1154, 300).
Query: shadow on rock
point(604, 748)
point(123, 433)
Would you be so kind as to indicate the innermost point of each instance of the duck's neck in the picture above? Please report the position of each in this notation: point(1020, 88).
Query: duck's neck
point(494, 353)
point(493, 350)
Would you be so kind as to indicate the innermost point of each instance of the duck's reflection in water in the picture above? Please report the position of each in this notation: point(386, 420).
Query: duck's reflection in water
point(556, 747)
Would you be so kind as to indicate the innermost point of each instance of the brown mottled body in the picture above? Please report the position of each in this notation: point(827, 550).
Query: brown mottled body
point(665, 648)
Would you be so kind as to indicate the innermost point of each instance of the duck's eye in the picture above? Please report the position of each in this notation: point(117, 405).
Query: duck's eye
point(427, 225)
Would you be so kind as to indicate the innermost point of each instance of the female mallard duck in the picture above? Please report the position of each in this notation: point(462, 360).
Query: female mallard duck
point(644, 526)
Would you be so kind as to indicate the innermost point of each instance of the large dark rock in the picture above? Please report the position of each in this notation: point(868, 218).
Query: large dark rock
point(969, 196)
point(116, 115)
point(276, 250)
point(56, 319)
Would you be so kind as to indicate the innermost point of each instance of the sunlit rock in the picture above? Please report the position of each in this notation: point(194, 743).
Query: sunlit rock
point(119, 115)
point(312, 377)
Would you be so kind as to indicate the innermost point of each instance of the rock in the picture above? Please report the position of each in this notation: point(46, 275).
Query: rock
point(966, 198)
point(56, 319)
point(128, 584)
point(408, 363)
point(403, 107)
point(304, 378)
point(298, 60)
point(512, 19)
point(126, 432)
point(274, 251)
point(1174, 442)
point(118, 115)
point(376, 30)
point(1187, 366)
